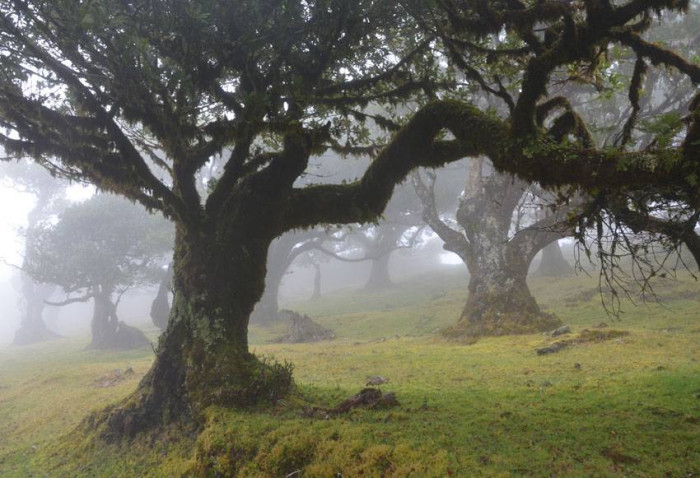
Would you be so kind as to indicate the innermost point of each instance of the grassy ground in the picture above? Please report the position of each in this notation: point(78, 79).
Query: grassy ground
point(630, 408)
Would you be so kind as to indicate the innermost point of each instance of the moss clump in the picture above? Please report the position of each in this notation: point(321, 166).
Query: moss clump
point(495, 323)
point(585, 336)
point(240, 382)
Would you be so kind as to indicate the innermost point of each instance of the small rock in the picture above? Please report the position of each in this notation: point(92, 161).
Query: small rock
point(561, 331)
point(555, 347)
point(303, 329)
point(376, 380)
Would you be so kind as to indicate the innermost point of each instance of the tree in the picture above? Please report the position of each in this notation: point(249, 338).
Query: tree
point(128, 95)
point(497, 248)
point(49, 193)
point(99, 249)
point(89, 89)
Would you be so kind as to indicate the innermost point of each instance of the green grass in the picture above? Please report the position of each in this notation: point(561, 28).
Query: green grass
point(494, 408)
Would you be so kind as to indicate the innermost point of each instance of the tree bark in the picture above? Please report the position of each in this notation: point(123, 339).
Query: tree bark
point(266, 311)
point(203, 357)
point(379, 249)
point(500, 303)
point(552, 263)
point(103, 325)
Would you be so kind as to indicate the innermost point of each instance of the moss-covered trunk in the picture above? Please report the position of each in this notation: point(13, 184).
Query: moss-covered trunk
point(500, 303)
point(267, 310)
point(203, 357)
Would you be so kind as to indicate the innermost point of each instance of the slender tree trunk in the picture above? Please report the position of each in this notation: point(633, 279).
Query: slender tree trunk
point(108, 332)
point(553, 263)
point(379, 277)
point(317, 282)
point(104, 319)
point(32, 328)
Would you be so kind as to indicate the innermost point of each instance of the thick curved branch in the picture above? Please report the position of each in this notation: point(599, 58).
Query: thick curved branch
point(532, 239)
point(658, 55)
point(414, 146)
point(536, 160)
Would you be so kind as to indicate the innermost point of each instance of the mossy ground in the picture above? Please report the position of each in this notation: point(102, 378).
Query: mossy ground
point(493, 408)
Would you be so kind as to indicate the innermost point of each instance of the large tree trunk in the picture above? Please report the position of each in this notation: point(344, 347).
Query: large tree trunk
point(553, 263)
point(32, 328)
point(500, 303)
point(380, 249)
point(203, 358)
point(281, 254)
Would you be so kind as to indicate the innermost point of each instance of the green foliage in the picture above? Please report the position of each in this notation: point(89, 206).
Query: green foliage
point(271, 381)
point(664, 129)
point(104, 241)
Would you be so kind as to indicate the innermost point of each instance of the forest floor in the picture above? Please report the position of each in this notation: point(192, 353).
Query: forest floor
point(629, 406)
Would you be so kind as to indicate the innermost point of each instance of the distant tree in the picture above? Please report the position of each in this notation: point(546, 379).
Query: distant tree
point(97, 250)
point(552, 263)
point(496, 250)
point(29, 178)
point(399, 229)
